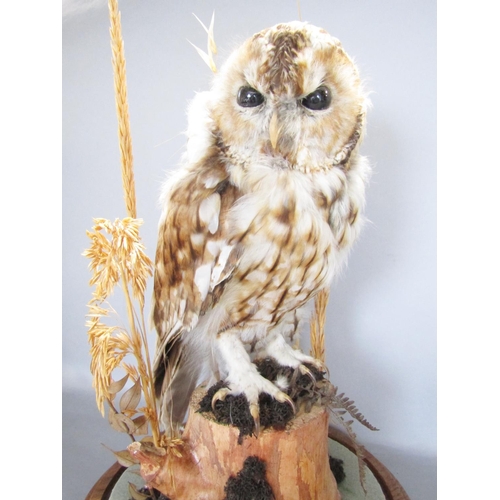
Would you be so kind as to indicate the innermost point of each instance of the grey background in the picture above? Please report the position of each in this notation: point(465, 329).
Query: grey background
point(381, 326)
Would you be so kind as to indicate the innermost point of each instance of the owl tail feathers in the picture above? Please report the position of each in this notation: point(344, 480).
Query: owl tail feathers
point(181, 376)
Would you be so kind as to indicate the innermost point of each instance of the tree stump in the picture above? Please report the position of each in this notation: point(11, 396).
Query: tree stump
point(296, 458)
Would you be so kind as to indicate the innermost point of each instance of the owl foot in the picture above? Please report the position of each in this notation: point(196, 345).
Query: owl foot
point(305, 371)
point(220, 395)
point(253, 385)
point(285, 355)
point(319, 365)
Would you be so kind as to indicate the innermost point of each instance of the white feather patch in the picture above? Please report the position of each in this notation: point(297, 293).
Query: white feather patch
point(209, 212)
point(197, 239)
point(211, 182)
point(182, 307)
point(258, 275)
point(282, 382)
point(221, 264)
point(202, 279)
point(214, 247)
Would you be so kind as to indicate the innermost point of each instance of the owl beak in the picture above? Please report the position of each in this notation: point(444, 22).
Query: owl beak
point(274, 130)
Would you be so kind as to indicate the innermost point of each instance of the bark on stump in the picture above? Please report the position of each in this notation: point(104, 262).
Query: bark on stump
point(297, 465)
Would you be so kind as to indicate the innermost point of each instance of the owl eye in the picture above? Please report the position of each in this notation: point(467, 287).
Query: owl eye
point(320, 99)
point(249, 97)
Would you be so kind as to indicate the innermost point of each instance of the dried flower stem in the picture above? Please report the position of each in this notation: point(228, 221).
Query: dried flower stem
point(318, 325)
point(298, 10)
point(124, 136)
point(120, 258)
point(113, 409)
point(139, 341)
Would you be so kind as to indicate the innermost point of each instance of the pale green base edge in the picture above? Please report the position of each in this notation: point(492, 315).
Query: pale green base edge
point(350, 488)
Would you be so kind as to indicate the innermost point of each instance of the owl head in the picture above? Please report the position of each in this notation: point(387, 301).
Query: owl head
point(290, 95)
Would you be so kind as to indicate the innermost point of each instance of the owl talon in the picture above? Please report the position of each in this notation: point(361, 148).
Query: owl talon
point(305, 371)
point(220, 395)
point(323, 368)
point(254, 411)
point(319, 365)
point(284, 398)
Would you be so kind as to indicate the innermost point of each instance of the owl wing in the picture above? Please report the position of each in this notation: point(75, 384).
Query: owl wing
point(193, 260)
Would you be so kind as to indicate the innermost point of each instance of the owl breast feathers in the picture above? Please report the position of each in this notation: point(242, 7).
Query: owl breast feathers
point(260, 216)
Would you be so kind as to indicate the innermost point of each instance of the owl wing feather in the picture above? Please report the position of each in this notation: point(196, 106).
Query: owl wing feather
point(194, 260)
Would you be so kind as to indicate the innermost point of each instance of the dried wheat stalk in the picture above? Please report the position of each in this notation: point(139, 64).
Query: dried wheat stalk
point(318, 325)
point(124, 136)
point(117, 257)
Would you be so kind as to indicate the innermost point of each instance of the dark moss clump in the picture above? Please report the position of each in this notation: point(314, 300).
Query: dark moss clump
point(273, 413)
point(206, 401)
point(234, 410)
point(337, 467)
point(250, 483)
point(269, 369)
point(304, 391)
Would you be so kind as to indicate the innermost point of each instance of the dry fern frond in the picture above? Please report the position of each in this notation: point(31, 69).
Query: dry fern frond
point(358, 449)
point(340, 405)
point(341, 401)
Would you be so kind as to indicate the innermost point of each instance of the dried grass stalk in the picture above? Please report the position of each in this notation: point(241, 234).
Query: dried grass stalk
point(117, 257)
point(318, 325)
point(124, 136)
point(208, 56)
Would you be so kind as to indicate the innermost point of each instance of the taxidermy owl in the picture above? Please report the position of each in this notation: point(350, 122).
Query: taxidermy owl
point(261, 215)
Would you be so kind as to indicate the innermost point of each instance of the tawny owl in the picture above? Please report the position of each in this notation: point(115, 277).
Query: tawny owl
point(260, 216)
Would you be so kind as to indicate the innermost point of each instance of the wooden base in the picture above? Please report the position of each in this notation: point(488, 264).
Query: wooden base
point(103, 488)
point(390, 486)
point(297, 464)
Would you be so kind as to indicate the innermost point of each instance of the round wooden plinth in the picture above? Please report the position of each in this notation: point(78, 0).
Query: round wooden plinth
point(389, 485)
point(103, 488)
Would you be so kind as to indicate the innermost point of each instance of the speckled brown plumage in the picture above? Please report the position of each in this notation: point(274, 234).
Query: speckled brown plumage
point(259, 218)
